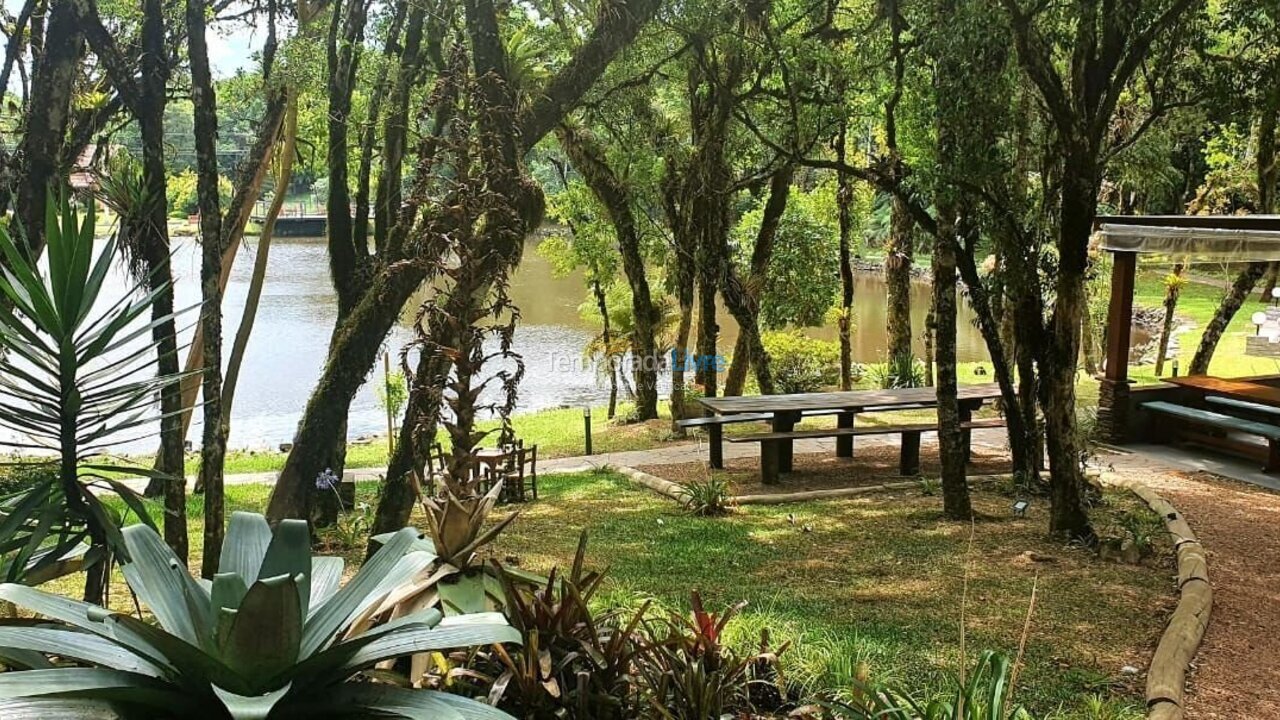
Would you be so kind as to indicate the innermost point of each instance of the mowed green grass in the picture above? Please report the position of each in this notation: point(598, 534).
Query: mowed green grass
point(877, 581)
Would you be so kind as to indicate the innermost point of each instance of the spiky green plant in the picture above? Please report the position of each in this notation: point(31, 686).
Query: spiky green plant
point(72, 382)
point(270, 637)
point(985, 693)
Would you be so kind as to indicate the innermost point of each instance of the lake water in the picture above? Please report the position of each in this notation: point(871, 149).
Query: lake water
point(297, 312)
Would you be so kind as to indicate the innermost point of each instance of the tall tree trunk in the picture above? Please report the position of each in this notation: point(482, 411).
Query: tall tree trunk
point(1227, 308)
point(707, 357)
point(605, 184)
point(1061, 350)
point(45, 124)
point(844, 205)
point(897, 277)
point(1172, 289)
point(844, 201)
point(213, 449)
point(951, 440)
point(171, 460)
point(742, 296)
point(735, 380)
point(607, 337)
point(249, 178)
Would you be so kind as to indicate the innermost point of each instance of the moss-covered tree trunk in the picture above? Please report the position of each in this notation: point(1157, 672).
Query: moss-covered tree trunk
point(844, 206)
point(171, 460)
point(897, 277)
point(608, 187)
point(58, 58)
point(743, 295)
point(214, 443)
point(951, 437)
point(1061, 349)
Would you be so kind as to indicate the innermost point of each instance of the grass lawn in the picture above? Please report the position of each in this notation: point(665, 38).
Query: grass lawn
point(875, 580)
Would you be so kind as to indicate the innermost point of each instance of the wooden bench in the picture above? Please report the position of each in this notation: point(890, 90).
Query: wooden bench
point(715, 431)
point(1257, 411)
point(715, 424)
point(1219, 426)
point(909, 456)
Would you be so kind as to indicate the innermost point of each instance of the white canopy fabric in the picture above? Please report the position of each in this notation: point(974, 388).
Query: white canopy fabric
point(1202, 243)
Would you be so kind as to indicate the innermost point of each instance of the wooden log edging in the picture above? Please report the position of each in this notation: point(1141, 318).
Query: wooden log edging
point(1167, 675)
point(666, 488)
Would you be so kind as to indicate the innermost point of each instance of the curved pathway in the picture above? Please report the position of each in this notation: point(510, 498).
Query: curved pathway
point(1237, 671)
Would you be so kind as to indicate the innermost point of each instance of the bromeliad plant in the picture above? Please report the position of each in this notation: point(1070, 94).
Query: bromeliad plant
point(72, 381)
point(271, 637)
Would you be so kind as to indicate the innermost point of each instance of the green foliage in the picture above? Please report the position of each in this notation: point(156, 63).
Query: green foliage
point(182, 193)
point(274, 635)
point(801, 364)
point(572, 661)
point(985, 694)
point(803, 278)
point(901, 370)
point(72, 379)
point(690, 672)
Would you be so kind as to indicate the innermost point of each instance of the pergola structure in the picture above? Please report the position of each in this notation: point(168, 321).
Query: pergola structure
point(1222, 238)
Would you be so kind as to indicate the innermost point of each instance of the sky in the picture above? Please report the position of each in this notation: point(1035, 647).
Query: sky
point(231, 46)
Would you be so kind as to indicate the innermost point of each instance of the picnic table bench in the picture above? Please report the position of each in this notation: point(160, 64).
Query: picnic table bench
point(782, 412)
point(1225, 413)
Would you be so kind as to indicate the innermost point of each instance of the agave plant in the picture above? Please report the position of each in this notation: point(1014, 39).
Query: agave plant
point(71, 382)
point(270, 637)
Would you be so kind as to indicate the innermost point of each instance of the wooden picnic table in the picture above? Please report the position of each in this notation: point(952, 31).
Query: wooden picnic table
point(784, 411)
point(1229, 387)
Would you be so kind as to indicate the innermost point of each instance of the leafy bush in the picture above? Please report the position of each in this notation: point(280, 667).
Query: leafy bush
point(708, 497)
point(18, 474)
point(274, 635)
point(801, 364)
point(901, 370)
point(183, 194)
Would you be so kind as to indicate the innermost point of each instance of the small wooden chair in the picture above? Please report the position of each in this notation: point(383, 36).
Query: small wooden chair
point(522, 473)
point(434, 469)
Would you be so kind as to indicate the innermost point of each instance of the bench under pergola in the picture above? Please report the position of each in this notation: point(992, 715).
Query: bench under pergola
point(1209, 238)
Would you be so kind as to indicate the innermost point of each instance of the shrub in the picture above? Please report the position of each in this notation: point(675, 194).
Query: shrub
point(801, 364)
point(18, 474)
point(901, 370)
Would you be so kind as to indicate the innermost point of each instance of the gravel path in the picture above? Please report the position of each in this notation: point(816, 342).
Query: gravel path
point(1237, 672)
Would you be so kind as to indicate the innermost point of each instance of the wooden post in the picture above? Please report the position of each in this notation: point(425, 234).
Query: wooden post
point(715, 440)
point(844, 443)
point(1113, 396)
point(785, 422)
point(1120, 316)
point(909, 454)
